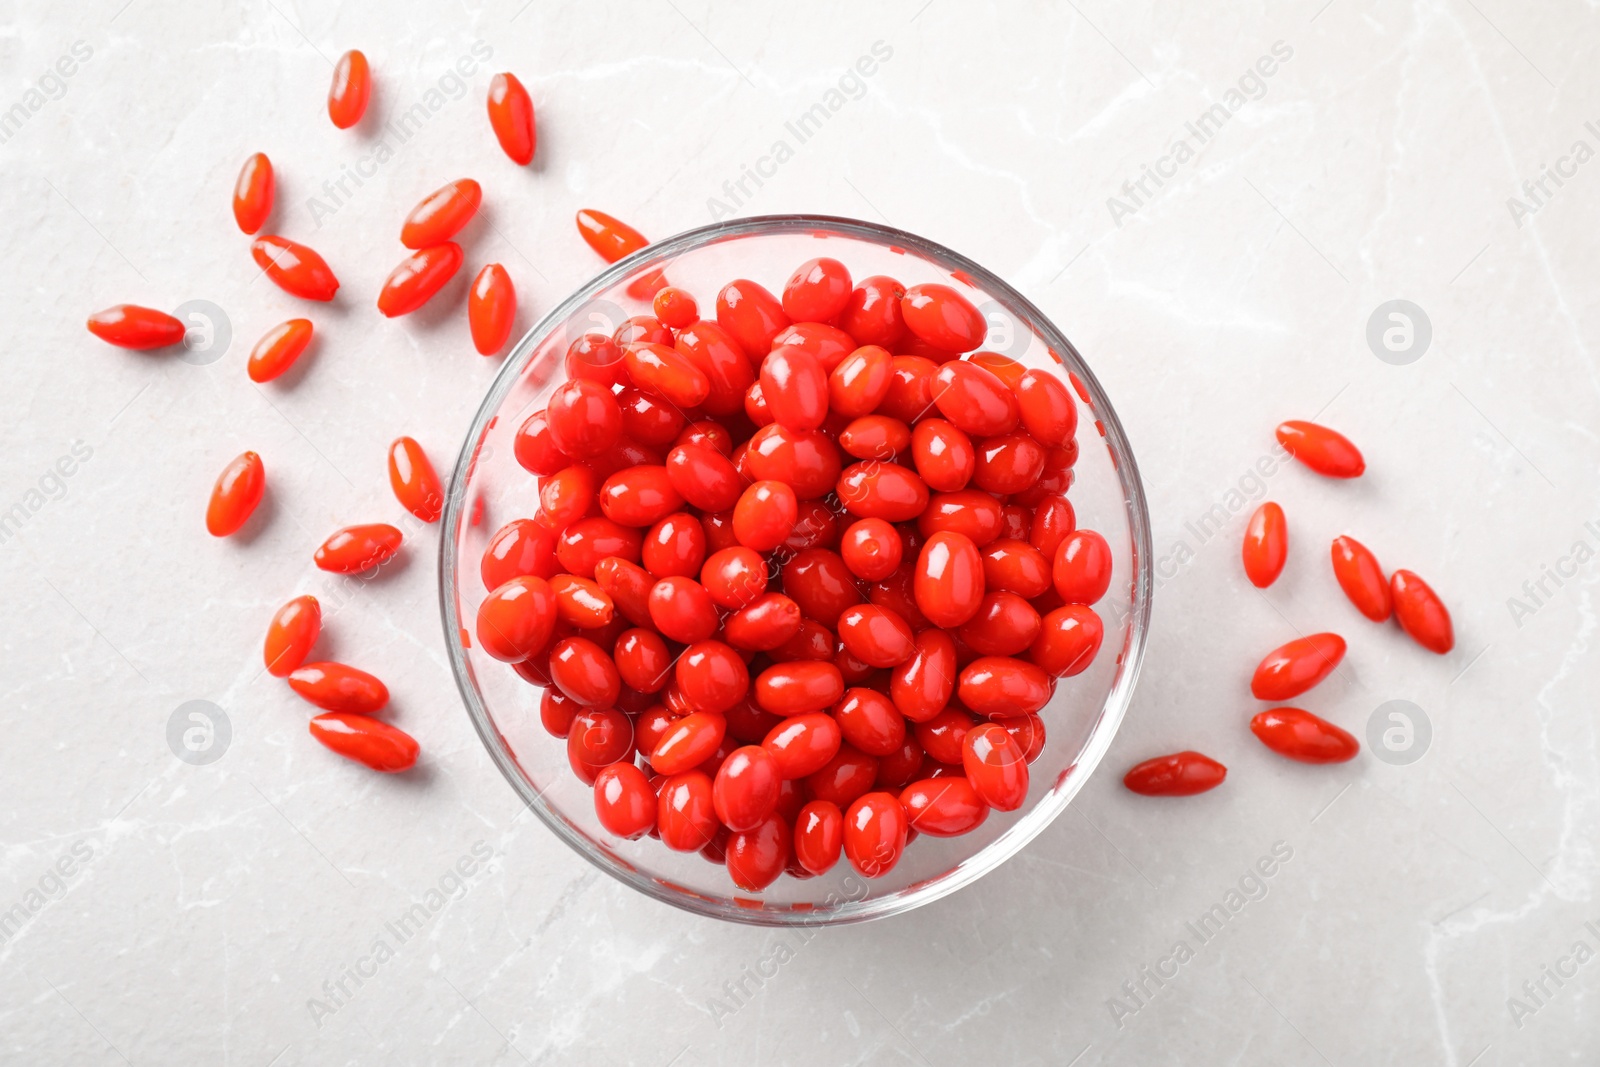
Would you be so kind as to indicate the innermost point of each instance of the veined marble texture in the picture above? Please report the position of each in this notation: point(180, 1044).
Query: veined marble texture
point(1217, 202)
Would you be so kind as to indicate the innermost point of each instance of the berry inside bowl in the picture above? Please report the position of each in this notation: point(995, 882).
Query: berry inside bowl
point(494, 486)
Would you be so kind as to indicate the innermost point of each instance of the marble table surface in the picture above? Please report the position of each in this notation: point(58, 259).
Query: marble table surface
point(1241, 213)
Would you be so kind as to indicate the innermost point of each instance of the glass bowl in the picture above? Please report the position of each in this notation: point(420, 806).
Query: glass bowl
point(488, 489)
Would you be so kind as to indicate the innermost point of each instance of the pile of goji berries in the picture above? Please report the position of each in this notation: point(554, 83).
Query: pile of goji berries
point(1294, 668)
point(349, 698)
point(802, 574)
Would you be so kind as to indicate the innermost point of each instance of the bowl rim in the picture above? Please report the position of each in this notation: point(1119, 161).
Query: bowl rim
point(1113, 708)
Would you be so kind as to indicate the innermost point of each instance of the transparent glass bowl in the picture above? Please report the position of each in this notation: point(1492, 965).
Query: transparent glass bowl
point(488, 489)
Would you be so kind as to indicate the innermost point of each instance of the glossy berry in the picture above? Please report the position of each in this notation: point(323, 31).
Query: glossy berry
point(1304, 737)
point(1069, 639)
point(949, 579)
point(921, 687)
point(414, 481)
point(878, 490)
point(132, 326)
point(415, 281)
point(1014, 566)
point(1361, 577)
point(355, 548)
point(875, 834)
point(367, 741)
point(735, 577)
point(860, 381)
point(712, 676)
point(942, 736)
point(1421, 613)
point(974, 399)
point(491, 309)
point(1005, 625)
point(819, 836)
point(581, 602)
point(339, 687)
point(511, 116)
point(252, 193)
point(676, 544)
point(943, 318)
point(584, 419)
point(818, 291)
point(294, 268)
point(870, 721)
point(795, 388)
point(1082, 569)
point(872, 315)
point(675, 307)
point(582, 670)
point(1323, 450)
point(516, 619)
point(610, 237)
point(1291, 669)
point(291, 634)
point(351, 89)
point(875, 635)
point(441, 214)
point(746, 788)
point(688, 742)
point(682, 610)
point(768, 624)
point(751, 315)
point(685, 812)
point(521, 546)
point(996, 766)
point(944, 455)
point(535, 447)
point(821, 584)
point(999, 686)
point(666, 373)
point(239, 489)
point(765, 514)
point(799, 687)
point(943, 807)
point(1046, 408)
point(623, 800)
point(599, 737)
point(1266, 545)
point(872, 549)
point(278, 349)
point(756, 857)
point(1182, 774)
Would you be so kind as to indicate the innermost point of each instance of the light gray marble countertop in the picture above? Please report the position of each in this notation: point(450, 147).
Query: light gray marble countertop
point(1412, 908)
